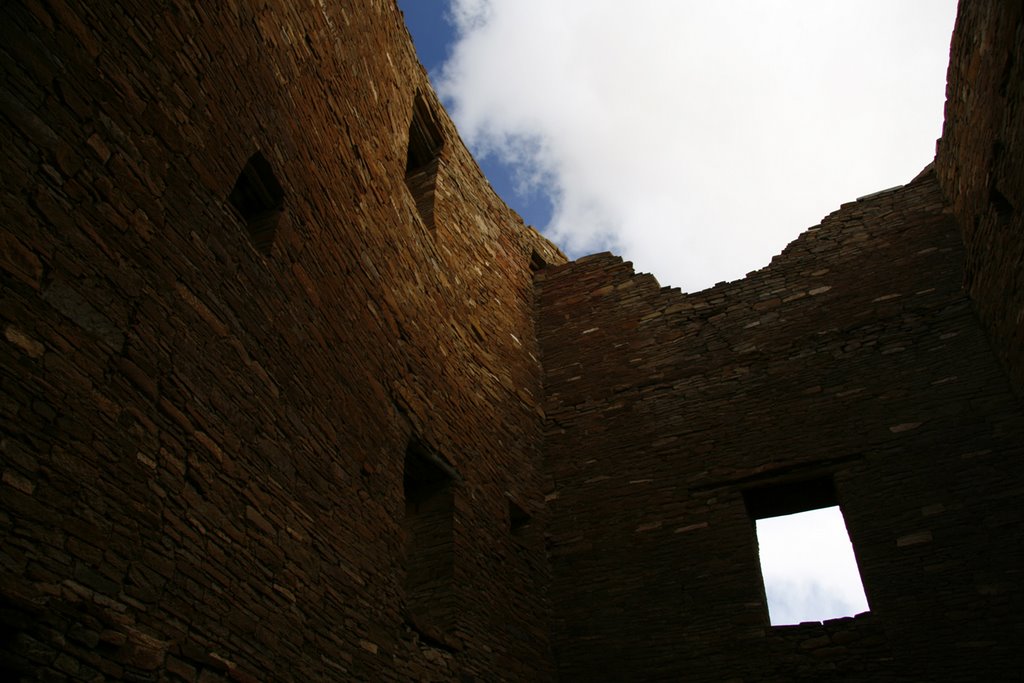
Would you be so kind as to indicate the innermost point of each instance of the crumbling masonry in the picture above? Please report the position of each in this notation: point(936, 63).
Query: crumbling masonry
point(289, 394)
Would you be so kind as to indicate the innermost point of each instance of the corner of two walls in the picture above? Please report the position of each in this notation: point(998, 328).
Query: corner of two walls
point(980, 164)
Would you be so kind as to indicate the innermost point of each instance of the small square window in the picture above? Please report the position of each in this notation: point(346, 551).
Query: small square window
point(518, 518)
point(807, 561)
point(259, 200)
point(537, 262)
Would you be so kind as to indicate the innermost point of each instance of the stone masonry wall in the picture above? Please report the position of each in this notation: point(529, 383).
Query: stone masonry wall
point(854, 356)
point(273, 404)
point(981, 167)
point(203, 444)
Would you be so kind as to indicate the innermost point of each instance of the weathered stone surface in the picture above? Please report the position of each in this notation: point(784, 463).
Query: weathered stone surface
point(202, 440)
point(980, 163)
point(855, 354)
point(213, 375)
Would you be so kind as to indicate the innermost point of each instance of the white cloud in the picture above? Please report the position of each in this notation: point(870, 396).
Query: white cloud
point(698, 138)
point(809, 569)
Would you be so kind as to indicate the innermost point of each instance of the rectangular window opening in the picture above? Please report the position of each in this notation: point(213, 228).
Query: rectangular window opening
point(258, 198)
point(518, 518)
point(423, 158)
point(429, 512)
point(807, 561)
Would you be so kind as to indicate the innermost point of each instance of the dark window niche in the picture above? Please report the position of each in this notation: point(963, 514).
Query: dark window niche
point(259, 199)
point(429, 542)
point(1000, 204)
point(807, 562)
point(518, 518)
point(423, 159)
point(537, 262)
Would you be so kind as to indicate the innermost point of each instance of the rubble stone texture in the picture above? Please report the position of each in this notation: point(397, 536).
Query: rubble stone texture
point(289, 394)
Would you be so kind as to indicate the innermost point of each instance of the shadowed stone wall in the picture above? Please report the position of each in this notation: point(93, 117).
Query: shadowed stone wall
point(981, 167)
point(282, 398)
point(203, 436)
point(855, 356)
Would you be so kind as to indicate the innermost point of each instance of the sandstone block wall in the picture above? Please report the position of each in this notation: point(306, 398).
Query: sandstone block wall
point(204, 436)
point(282, 398)
point(856, 357)
point(981, 167)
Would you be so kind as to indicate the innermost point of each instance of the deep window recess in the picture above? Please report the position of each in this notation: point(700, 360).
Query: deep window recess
point(807, 561)
point(537, 262)
point(423, 160)
point(259, 200)
point(518, 518)
point(1002, 206)
point(429, 509)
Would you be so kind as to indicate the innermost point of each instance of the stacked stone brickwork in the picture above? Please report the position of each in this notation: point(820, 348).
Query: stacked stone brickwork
point(287, 393)
point(981, 167)
point(204, 437)
point(854, 356)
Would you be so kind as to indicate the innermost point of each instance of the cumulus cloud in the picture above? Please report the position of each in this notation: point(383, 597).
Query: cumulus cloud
point(698, 138)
